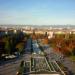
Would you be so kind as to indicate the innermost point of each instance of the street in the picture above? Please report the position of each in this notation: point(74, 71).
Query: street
point(11, 67)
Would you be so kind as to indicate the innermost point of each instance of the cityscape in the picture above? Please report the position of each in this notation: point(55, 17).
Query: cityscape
point(30, 50)
point(37, 37)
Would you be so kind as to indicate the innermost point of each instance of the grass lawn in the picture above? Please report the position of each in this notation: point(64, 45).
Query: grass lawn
point(72, 58)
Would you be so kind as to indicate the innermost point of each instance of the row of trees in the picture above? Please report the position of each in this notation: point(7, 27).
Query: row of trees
point(12, 43)
point(63, 45)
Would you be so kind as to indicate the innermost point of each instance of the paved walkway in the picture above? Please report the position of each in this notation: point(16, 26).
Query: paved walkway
point(69, 64)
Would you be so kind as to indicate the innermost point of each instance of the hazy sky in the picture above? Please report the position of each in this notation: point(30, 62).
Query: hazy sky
point(37, 12)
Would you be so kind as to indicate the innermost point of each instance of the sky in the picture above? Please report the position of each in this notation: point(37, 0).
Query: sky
point(37, 12)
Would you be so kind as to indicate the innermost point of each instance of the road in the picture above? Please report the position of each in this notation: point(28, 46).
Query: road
point(11, 67)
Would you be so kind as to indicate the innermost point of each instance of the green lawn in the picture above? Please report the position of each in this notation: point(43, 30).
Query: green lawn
point(72, 58)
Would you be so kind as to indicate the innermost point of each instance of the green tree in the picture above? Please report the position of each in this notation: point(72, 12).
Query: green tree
point(73, 51)
point(7, 47)
point(21, 69)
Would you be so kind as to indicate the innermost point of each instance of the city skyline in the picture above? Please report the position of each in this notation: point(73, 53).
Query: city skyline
point(37, 12)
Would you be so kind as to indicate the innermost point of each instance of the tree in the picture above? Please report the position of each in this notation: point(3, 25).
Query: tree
point(7, 47)
point(73, 51)
point(20, 47)
point(21, 69)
